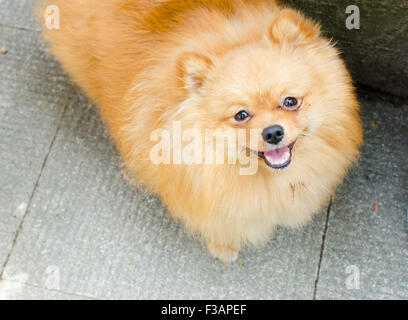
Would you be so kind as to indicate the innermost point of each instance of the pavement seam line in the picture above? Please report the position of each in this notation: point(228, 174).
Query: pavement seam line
point(27, 284)
point(322, 249)
point(67, 105)
point(19, 28)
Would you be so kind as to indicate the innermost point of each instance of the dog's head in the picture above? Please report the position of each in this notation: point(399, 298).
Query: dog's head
point(291, 86)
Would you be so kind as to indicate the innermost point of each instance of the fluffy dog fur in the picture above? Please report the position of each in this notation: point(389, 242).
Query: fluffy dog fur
point(147, 63)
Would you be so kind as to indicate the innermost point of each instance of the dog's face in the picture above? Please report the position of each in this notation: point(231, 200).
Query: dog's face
point(258, 87)
point(287, 87)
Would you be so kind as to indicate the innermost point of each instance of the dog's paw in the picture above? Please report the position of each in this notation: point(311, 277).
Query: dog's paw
point(225, 253)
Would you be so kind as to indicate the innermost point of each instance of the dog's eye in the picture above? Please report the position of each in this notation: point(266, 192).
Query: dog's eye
point(241, 116)
point(290, 103)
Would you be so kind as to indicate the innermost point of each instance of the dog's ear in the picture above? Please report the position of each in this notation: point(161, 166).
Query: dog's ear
point(292, 26)
point(192, 69)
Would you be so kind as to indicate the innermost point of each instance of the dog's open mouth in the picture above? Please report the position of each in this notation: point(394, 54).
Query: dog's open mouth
point(278, 158)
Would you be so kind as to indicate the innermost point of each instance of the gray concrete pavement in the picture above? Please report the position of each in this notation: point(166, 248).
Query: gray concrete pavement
point(33, 93)
point(367, 222)
point(18, 14)
point(72, 228)
point(15, 290)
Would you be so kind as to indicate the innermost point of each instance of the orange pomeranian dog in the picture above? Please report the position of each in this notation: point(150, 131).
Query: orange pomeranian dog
point(161, 68)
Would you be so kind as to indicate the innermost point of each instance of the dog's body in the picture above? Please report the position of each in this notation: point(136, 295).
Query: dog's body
point(149, 63)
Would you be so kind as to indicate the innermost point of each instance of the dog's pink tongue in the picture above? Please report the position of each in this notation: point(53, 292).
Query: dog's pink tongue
point(278, 156)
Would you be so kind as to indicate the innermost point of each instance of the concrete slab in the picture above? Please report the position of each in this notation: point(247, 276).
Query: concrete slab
point(14, 290)
point(367, 235)
point(107, 241)
point(376, 52)
point(18, 14)
point(33, 94)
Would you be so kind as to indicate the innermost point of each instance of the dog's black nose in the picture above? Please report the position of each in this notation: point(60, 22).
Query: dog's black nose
point(273, 134)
